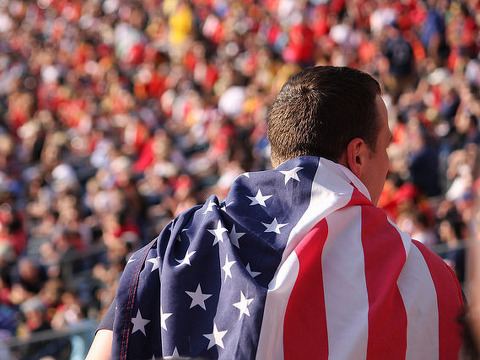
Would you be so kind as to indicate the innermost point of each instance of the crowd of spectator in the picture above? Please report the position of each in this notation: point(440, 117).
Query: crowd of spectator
point(116, 115)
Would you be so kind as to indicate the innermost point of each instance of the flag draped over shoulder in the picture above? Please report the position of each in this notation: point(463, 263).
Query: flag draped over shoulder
point(296, 263)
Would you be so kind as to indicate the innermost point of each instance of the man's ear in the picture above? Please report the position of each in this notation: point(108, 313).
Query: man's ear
point(356, 154)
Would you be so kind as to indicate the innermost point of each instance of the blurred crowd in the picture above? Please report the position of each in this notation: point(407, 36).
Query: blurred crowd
point(116, 115)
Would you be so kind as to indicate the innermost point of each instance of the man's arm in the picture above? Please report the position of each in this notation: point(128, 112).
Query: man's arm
point(101, 348)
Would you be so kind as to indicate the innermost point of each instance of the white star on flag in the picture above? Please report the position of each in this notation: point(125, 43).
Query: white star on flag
point(130, 260)
point(291, 174)
point(242, 305)
point(227, 267)
point(259, 199)
point(225, 205)
point(215, 337)
point(253, 273)
point(198, 298)
point(247, 175)
point(175, 355)
point(139, 323)
point(155, 262)
point(164, 317)
point(234, 236)
point(274, 226)
point(218, 232)
point(210, 206)
point(186, 260)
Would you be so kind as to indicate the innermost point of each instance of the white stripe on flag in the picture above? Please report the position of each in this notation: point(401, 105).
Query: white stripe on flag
point(334, 193)
point(420, 299)
point(270, 344)
point(346, 297)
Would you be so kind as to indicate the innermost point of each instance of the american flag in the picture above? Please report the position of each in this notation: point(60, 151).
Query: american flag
point(295, 263)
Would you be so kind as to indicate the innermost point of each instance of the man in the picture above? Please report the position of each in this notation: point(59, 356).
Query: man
point(297, 262)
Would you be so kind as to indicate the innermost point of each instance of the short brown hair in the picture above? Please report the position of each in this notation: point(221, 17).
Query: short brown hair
point(320, 110)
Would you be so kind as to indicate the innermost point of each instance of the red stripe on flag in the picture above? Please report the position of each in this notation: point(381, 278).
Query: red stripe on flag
point(305, 326)
point(358, 198)
point(450, 304)
point(384, 259)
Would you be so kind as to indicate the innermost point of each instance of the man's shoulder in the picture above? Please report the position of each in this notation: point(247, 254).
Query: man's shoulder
point(443, 276)
point(433, 260)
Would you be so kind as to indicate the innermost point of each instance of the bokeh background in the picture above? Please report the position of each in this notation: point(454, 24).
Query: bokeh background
point(116, 115)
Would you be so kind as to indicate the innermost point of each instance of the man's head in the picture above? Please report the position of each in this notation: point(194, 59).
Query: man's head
point(336, 113)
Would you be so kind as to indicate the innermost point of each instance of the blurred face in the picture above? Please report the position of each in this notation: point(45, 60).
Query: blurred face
point(28, 270)
point(378, 163)
point(446, 231)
